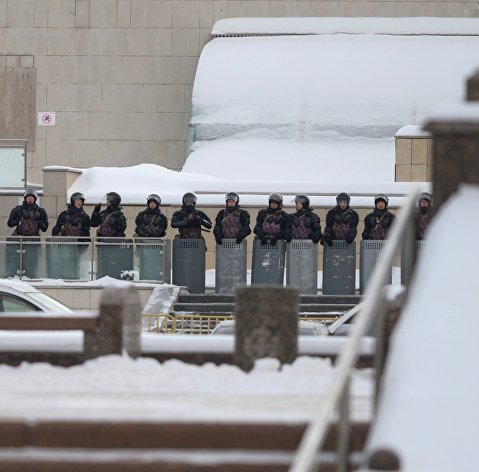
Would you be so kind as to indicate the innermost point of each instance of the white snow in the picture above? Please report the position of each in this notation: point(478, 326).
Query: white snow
point(366, 159)
point(41, 341)
point(115, 387)
point(136, 182)
point(328, 106)
point(428, 409)
point(456, 111)
point(315, 25)
point(412, 131)
point(101, 282)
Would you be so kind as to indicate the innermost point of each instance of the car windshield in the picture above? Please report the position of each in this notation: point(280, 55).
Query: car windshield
point(50, 304)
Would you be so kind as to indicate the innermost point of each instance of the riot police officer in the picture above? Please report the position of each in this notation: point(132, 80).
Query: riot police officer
point(424, 212)
point(73, 221)
point(232, 222)
point(151, 223)
point(341, 221)
point(378, 223)
point(271, 221)
point(189, 220)
point(28, 217)
point(111, 221)
point(304, 223)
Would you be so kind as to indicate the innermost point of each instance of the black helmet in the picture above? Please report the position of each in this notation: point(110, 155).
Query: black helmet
point(32, 192)
point(77, 196)
point(425, 196)
point(343, 197)
point(276, 198)
point(303, 199)
point(232, 196)
point(153, 197)
point(382, 197)
point(113, 198)
point(189, 197)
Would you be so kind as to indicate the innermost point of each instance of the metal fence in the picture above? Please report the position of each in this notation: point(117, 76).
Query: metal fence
point(166, 323)
point(87, 259)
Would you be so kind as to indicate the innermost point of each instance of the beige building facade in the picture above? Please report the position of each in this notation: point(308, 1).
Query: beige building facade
point(118, 74)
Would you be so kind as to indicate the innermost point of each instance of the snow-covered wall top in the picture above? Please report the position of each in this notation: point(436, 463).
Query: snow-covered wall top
point(330, 85)
point(278, 26)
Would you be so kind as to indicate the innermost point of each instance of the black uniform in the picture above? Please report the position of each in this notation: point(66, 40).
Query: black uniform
point(29, 219)
point(377, 224)
point(341, 224)
point(111, 221)
point(423, 218)
point(271, 225)
point(232, 222)
point(72, 222)
point(189, 221)
point(304, 224)
point(151, 223)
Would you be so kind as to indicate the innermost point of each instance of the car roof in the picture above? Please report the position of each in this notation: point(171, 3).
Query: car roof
point(12, 285)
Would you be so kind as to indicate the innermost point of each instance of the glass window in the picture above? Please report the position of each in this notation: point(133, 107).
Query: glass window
point(12, 304)
point(12, 161)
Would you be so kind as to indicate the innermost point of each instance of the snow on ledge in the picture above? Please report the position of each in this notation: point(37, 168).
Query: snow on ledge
point(412, 131)
point(393, 26)
point(62, 169)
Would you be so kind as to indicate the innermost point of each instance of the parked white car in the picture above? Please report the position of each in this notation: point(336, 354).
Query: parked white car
point(305, 328)
point(17, 296)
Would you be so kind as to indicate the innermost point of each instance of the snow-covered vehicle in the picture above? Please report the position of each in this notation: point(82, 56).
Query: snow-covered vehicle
point(17, 296)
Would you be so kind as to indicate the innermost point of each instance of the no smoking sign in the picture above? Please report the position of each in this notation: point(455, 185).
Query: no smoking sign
point(46, 118)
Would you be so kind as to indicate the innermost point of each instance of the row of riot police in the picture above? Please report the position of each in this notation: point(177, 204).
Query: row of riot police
point(272, 223)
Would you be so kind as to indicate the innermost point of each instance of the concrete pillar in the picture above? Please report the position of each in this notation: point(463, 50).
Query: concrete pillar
point(266, 324)
point(455, 146)
point(118, 326)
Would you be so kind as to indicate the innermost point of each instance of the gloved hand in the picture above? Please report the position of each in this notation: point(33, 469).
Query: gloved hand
point(273, 241)
point(26, 214)
point(264, 241)
point(97, 208)
point(329, 241)
point(36, 215)
point(205, 223)
point(239, 239)
point(145, 219)
point(315, 240)
point(350, 237)
point(219, 241)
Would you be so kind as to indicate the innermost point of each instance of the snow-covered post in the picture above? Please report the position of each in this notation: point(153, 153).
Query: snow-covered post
point(266, 324)
point(455, 133)
point(118, 325)
point(472, 93)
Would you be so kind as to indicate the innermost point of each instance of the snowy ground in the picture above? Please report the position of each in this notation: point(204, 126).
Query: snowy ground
point(115, 387)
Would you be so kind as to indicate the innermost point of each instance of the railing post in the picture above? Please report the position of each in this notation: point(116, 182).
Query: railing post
point(386, 318)
point(119, 324)
point(344, 429)
point(266, 324)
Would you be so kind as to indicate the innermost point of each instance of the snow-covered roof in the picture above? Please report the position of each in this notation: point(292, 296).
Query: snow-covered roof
point(316, 25)
point(325, 106)
point(428, 406)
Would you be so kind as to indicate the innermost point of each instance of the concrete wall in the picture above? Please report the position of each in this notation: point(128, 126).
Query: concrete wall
point(119, 73)
point(413, 159)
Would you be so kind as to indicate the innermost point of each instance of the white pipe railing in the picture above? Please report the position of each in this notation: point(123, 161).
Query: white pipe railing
point(314, 437)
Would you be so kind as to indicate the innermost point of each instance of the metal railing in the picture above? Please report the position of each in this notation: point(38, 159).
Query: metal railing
point(374, 305)
point(166, 323)
point(85, 259)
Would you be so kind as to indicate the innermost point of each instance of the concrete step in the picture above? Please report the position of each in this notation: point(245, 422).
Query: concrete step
point(147, 460)
point(109, 434)
point(216, 298)
point(224, 308)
